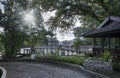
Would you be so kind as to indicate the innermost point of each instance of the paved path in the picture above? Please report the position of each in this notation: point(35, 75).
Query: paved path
point(38, 70)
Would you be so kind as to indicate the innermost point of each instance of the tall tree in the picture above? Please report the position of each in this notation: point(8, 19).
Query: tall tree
point(35, 37)
point(13, 24)
point(89, 12)
point(76, 44)
point(11, 37)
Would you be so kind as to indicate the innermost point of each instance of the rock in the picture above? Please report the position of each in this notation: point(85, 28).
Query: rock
point(98, 66)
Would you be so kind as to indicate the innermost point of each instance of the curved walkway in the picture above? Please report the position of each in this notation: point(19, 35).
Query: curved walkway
point(39, 70)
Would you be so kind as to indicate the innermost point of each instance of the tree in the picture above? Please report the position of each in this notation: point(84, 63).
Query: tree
point(88, 12)
point(11, 20)
point(1, 44)
point(12, 36)
point(35, 37)
point(50, 33)
point(76, 44)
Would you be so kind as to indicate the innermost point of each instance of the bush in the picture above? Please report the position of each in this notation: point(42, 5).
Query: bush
point(106, 56)
point(116, 66)
point(73, 59)
point(55, 57)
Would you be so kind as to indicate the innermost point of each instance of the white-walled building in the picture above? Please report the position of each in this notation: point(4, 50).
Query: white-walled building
point(67, 49)
point(50, 45)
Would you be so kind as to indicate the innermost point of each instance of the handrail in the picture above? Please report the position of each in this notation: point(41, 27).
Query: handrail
point(78, 49)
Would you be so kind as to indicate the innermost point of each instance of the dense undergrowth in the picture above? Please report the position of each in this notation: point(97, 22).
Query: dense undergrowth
point(116, 66)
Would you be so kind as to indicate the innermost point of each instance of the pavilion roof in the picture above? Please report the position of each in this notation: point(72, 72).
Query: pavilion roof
point(110, 27)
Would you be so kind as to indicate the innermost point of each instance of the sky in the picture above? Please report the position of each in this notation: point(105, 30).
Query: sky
point(1, 7)
point(60, 36)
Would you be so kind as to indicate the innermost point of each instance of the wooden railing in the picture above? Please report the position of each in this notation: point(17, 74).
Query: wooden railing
point(77, 49)
point(115, 52)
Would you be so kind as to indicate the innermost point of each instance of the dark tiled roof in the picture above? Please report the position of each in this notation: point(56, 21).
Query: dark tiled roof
point(110, 27)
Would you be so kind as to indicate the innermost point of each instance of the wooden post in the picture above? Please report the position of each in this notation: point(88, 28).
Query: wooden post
point(94, 41)
point(109, 43)
point(115, 43)
point(102, 44)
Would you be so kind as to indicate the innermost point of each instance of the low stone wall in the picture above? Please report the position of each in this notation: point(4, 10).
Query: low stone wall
point(98, 66)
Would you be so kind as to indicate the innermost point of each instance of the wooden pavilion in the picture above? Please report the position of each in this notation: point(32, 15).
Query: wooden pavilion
point(109, 34)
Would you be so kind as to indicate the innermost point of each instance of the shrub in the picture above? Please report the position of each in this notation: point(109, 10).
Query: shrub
point(38, 55)
point(116, 66)
point(106, 55)
point(73, 59)
point(69, 59)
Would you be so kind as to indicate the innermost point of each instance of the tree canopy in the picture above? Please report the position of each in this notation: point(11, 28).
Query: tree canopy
point(89, 12)
point(16, 29)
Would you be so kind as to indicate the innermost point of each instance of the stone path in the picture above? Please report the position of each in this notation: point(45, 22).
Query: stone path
point(38, 70)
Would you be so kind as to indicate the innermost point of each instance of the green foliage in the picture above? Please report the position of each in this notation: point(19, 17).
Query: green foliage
point(116, 66)
point(11, 37)
point(77, 43)
point(89, 12)
point(35, 37)
point(73, 59)
point(50, 33)
point(69, 59)
point(106, 56)
point(38, 55)
point(15, 31)
point(12, 42)
point(1, 45)
point(117, 42)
